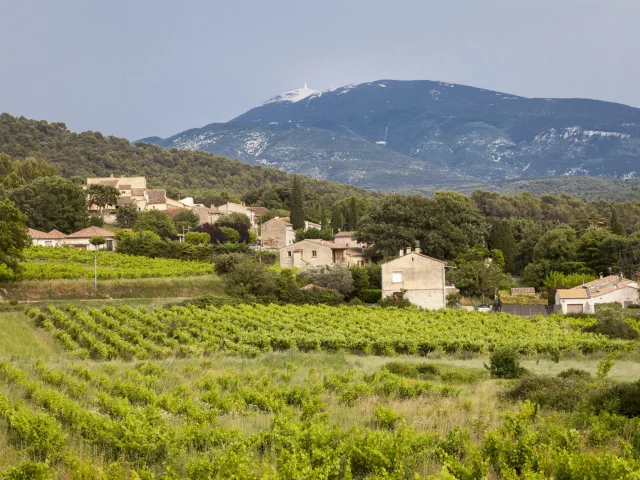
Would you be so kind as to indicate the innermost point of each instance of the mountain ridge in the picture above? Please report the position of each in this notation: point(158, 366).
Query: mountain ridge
point(438, 133)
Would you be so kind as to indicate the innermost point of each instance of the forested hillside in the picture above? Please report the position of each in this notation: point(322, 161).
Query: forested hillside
point(208, 177)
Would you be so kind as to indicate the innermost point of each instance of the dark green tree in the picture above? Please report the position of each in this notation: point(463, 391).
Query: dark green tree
point(296, 203)
point(97, 241)
point(155, 221)
point(501, 237)
point(615, 225)
point(234, 219)
point(126, 216)
point(337, 220)
point(102, 196)
point(14, 237)
point(52, 203)
point(478, 272)
point(186, 220)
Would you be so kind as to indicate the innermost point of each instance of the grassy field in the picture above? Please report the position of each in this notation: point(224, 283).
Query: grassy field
point(294, 414)
point(143, 288)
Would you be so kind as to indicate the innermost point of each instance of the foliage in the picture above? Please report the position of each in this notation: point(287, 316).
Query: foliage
point(97, 240)
point(155, 221)
point(14, 237)
point(453, 298)
point(315, 233)
point(504, 362)
point(296, 204)
point(149, 244)
point(186, 220)
point(234, 329)
point(46, 263)
point(615, 225)
point(606, 364)
point(502, 237)
point(234, 220)
point(230, 235)
point(556, 280)
point(370, 295)
point(336, 277)
point(508, 299)
point(52, 203)
point(611, 321)
point(96, 221)
point(445, 225)
point(126, 216)
point(479, 272)
point(197, 238)
point(102, 196)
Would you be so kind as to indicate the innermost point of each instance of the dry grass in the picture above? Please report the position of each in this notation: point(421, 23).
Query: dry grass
point(20, 338)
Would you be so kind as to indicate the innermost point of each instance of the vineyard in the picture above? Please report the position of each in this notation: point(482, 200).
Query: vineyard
point(272, 391)
point(46, 263)
point(250, 330)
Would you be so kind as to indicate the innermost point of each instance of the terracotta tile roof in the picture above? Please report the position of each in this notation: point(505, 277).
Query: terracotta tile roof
point(57, 234)
point(325, 243)
point(157, 196)
point(38, 235)
point(523, 291)
point(430, 258)
point(137, 192)
point(259, 211)
point(92, 232)
point(109, 182)
point(284, 220)
point(124, 187)
point(125, 200)
point(577, 292)
point(355, 251)
point(345, 234)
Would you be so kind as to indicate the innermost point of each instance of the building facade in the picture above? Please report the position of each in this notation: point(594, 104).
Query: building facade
point(584, 298)
point(419, 278)
point(277, 233)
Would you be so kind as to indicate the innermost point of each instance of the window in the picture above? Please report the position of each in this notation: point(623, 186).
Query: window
point(289, 253)
point(396, 277)
point(314, 253)
point(48, 243)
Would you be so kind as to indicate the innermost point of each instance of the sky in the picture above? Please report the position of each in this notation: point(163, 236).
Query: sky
point(138, 68)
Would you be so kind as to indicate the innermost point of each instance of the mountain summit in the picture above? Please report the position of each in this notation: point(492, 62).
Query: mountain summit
point(392, 135)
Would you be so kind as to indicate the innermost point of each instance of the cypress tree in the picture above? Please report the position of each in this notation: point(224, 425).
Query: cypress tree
point(337, 220)
point(502, 238)
point(353, 214)
point(296, 205)
point(616, 226)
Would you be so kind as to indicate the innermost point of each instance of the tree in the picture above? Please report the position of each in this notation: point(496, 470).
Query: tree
point(501, 237)
point(17, 173)
point(97, 241)
point(324, 234)
point(336, 277)
point(102, 196)
point(52, 203)
point(197, 238)
point(231, 235)
point(186, 220)
point(14, 236)
point(559, 246)
point(234, 220)
point(445, 225)
point(478, 273)
point(296, 203)
point(615, 225)
point(337, 220)
point(126, 216)
point(155, 221)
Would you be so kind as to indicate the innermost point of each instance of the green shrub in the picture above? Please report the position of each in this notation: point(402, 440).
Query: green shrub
point(29, 471)
point(558, 393)
point(197, 238)
point(370, 295)
point(405, 369)
point(386, 418)
point(610, 321)
point(574, 373)
point(504, 362)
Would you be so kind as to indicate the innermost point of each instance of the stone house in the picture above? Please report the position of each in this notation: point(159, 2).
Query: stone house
point(253, 213)
point(346, 239)
point(583, 299)
point(81, 239)
point(311, 252)
point(421, 278)
point(278, 233)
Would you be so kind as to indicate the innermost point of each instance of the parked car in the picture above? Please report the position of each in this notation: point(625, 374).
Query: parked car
point(484, 308)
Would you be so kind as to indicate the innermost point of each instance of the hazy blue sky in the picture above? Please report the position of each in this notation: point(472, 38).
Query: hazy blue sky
point(137, 68)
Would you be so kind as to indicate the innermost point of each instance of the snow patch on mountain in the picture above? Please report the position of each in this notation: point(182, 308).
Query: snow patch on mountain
point(292, 96)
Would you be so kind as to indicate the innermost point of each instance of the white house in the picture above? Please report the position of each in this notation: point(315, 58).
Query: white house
point(43, 239)
point(421, 278)
point(583, 299)
point(81, 239)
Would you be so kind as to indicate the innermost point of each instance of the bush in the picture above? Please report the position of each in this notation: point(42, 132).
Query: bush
point(29, 471)
point(558, 393)
point(386, 418)
point(610, 321)
point(226, 261)
point(197, 238)
point(574, 373)
point(370, 295)
point(504, 362)
point(95, 221)
point(335, 277)
point(396, 300)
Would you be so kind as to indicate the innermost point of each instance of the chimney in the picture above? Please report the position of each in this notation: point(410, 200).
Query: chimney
point(417, 249)
point(401, 253)
point(408, 251)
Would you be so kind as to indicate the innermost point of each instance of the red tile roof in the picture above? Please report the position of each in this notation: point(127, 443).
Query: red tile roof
point(345, 234)
point(92, 232)
point(37, 235)
point(57, 234)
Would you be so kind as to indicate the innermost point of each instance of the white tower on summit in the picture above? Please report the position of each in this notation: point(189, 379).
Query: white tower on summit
point(305, 85)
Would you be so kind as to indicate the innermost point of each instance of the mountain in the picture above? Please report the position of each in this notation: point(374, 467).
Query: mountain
point(404, 135)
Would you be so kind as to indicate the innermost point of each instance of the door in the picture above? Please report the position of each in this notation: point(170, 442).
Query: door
point(574, 308)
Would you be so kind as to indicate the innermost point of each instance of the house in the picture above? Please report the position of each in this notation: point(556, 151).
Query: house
point(419, 277)
point(346, 239)
point(311, 252)
point(253, 213)
point(583, 299)
point(528, 291)
point(81, 239)
point(278, 233)
point(43, 239)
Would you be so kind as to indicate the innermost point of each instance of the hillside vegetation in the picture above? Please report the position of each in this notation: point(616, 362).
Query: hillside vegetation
point(181, 172)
